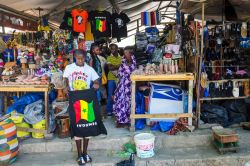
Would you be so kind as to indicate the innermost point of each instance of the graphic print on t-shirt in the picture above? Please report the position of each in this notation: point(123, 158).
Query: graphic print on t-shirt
point(119, 22)
point(79, 81)
point(84, 111)
point(101, 25)
point(79, 19)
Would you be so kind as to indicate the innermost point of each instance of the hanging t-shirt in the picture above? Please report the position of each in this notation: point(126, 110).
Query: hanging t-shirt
point(100, 23)
point(67, 21)
point(119, 25)
point(80, 18)
point(88, 33)
point(80, 77)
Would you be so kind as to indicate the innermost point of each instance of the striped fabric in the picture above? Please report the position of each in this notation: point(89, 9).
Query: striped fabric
point(8, 142)
point(150, 18)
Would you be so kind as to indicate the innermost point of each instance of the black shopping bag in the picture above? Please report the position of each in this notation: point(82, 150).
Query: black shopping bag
point(84, 111)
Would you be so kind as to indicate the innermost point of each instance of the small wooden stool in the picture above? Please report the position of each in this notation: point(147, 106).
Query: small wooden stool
point(226, 140)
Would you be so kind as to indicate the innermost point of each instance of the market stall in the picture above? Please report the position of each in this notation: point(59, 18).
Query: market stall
point(161, 77)
point(223, 73)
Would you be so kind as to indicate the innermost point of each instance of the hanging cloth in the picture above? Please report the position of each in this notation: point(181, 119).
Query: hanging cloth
point(85, 115)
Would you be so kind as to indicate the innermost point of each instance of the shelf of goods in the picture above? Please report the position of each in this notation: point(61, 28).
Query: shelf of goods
point(226, 98)
point(30, 88)
point(162, 77)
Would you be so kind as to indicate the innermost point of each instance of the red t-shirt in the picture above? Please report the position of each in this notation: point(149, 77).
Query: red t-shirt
point(80, 18)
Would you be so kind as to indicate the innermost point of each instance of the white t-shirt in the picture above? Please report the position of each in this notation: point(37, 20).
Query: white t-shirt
point(80, 77)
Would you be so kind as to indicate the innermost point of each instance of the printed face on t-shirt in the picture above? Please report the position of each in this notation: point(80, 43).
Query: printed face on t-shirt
point(119, 22)
point(79, 19)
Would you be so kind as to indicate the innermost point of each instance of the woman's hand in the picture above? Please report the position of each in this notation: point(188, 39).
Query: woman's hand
point(96, 84)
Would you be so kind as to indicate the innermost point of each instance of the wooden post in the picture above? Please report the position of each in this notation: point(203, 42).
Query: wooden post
point(132, 128)
point(46, 110)
point(190, 100)
point(200, 65)
point(137, 25)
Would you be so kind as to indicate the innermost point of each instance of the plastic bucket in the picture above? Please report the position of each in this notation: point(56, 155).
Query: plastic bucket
point(144, 145)
point(40, 125)
point(23, 134)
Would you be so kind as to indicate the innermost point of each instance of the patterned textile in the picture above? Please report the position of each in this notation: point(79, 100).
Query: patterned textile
point(179, 125)
point(8, 142)
point(122, 98)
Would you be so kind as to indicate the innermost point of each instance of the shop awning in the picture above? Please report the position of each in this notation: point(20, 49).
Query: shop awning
point(55, 8)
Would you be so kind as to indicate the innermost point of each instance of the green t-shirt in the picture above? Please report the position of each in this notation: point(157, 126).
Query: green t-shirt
point(113, 60)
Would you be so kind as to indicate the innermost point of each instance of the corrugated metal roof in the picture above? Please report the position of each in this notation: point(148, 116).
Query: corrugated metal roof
point(56, 8)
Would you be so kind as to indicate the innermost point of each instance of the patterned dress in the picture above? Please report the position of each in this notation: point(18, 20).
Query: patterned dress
point(122, 98)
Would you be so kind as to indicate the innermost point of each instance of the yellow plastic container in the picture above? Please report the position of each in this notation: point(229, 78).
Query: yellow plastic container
point(16, 118)
point(41, 126)
point(23, 134)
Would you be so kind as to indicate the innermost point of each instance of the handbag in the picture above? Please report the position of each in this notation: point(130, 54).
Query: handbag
point(104, 79)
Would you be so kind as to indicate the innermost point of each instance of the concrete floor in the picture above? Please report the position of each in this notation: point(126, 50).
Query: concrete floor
point(183, 149)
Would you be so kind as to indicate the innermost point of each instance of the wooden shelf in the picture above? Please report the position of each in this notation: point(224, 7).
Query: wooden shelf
point(223, 60)
point(223, 98)
point(23, 88)
point(163, 77)
point(170, 115)
point(241, 80)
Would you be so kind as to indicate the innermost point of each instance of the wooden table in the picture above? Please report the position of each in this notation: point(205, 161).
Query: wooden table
point(31, 88)
point(163, 77)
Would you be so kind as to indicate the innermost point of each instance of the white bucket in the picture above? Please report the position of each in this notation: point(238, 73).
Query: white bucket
point(144, 145)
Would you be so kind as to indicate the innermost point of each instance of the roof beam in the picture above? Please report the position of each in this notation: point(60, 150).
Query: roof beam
point(17, 13)
point(69, 7)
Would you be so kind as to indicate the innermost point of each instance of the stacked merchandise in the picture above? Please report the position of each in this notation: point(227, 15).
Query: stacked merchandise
point(226, 65)
point(162, 51)
point(141, 43)
point(226, 73)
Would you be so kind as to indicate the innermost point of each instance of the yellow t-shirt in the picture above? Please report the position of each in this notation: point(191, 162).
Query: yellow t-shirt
point(88, 34)
point(114, 61)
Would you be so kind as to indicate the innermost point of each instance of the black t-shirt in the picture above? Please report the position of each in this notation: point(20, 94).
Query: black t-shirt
point(100, 23)
point(67, 21)
point(119, 25)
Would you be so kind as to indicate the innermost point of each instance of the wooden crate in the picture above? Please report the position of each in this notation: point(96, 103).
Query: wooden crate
point(225, 135)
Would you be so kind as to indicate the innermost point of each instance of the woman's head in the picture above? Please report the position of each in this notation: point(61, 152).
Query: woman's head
point(80, 56)
point(128, 53)
point(113, 49)
point(95, 49)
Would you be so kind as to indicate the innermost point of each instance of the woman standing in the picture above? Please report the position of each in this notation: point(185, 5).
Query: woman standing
point(96, 64)
point(122, 97)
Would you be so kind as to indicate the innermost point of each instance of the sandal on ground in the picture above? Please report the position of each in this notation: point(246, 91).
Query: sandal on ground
point(87, 158)
point(81, 161)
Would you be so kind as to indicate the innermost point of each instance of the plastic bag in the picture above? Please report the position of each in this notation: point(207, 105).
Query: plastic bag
point(130, 162)
point(140, 109)
point(20, 103)
point(157, 55)
point(34, 112)
point(166, 126)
